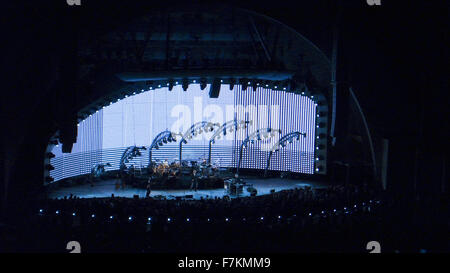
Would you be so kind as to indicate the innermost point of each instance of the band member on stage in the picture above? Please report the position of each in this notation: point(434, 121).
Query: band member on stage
point(194, 184)
point(149, 190)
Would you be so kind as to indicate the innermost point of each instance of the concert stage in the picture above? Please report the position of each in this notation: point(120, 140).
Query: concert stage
point(107, 187)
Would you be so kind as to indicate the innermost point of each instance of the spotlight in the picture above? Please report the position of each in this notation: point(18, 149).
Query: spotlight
point(226, 219)
point(130, 218)
point(244, 84)
point(169, 220)
point(232, 82)
point(41, 211)
point(188, 220)
point(57, 212)
point(262, 218)
point(149, 219)
point(254, 85)
point(202, 84)
point(310, 214)
point(185, 84)
point(73, 214)
point(111, 217)
point(93, 215)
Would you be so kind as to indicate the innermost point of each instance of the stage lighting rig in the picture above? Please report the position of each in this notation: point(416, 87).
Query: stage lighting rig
point(230, 126)
point(130, 153)
point(194, 130)
point(256, 135)
point(161, 139)
point(288, 138)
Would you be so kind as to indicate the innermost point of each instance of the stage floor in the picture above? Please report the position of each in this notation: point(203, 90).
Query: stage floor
point(107, 187)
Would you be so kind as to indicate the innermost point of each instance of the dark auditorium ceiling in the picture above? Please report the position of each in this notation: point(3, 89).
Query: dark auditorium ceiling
point(190, 41)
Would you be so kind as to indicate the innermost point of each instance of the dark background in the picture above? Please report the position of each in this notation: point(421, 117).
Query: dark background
point(394, 55)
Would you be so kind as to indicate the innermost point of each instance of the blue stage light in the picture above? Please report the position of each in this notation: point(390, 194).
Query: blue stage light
point(93, 215)
point(41, 210)
point(74, 214)
point(188, 220)
point(169, 220)
point(57, 212)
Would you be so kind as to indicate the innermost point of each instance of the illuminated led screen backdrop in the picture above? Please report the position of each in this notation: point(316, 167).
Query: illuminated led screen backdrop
point(137, 119)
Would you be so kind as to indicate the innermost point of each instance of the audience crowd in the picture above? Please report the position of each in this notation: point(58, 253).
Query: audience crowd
point(334, 219)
